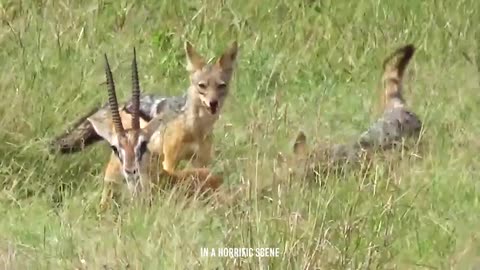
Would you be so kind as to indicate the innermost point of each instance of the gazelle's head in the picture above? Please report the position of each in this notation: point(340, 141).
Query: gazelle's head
point(210, 81)
point(128, 145)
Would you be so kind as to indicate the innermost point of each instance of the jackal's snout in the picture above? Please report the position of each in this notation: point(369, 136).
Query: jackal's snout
point(213, 106)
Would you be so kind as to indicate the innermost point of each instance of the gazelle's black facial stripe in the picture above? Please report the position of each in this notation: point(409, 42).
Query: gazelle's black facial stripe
point(116, 152)
point(140, 148)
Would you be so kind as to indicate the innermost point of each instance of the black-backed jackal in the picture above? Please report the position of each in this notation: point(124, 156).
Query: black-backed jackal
point(396, 124)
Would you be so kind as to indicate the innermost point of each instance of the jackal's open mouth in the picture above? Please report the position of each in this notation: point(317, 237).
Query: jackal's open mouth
point(213, 110)
point(212, 107)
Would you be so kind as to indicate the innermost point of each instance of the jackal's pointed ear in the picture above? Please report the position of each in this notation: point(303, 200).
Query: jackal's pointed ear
point(300, 145)
point(194, 60)
point(103, 128)
point(228, 58)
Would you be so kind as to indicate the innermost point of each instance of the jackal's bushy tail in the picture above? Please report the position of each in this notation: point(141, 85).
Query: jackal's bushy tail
point(80, 135)
point(393, 69)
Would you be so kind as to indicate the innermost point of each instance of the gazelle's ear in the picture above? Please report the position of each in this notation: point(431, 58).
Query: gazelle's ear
point(153, 126)
point(103, 128)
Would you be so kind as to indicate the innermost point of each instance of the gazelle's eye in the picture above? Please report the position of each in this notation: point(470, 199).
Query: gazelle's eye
point(114, 149)
point(222, 86)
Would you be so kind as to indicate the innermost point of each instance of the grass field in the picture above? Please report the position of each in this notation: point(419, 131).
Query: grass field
point(320, 61)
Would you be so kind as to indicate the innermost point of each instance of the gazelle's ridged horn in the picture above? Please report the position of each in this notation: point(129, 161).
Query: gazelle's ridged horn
point(112, 99)
point(135, 93)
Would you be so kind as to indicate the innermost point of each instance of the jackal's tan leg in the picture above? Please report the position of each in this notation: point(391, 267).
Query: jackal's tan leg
point(171, 154)
point(203, 157)
point(111, 180)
